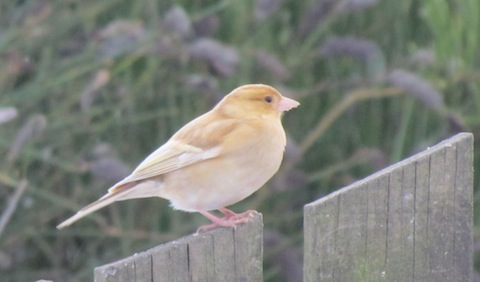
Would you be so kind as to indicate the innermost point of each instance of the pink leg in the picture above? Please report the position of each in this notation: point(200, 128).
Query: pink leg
point(235, 216)
point(230, 219)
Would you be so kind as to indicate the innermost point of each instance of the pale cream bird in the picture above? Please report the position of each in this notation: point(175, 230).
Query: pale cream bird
point(214, 161)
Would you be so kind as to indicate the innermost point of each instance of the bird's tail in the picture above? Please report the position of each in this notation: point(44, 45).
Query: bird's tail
point(119, 194)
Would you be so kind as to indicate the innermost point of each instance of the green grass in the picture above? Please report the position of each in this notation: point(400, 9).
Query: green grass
point(352, 122)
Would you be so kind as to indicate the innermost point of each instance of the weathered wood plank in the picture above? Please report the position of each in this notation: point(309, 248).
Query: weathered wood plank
point(223, 254)
point(351, 243)
point(376, 225)
point(200, 250)
point(422, 210)
point(322, 246)
point(122, 271)
point(164, 260)
point(248, 250)
point(439, 217)
point(409, 222)
point(407, 217)
point(143, 266)
point(463, 255)
point(224, 259)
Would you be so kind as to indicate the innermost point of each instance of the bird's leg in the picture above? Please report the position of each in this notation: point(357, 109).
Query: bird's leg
point(227, 213)
point(216, 222)
point(230, 219)
point(237, 216)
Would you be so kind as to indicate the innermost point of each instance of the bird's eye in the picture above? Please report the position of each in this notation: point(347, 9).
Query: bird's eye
point(268, 99)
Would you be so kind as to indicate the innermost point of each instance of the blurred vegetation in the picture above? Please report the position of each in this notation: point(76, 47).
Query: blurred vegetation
point(89, 88)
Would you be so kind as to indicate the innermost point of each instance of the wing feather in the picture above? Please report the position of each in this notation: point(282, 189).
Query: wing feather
point(199, 140)
point(171, 156)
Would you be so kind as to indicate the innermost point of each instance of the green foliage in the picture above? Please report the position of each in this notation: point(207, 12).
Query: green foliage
point(89, 88)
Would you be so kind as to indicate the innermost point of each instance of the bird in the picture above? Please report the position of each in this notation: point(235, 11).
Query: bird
point(212, 162)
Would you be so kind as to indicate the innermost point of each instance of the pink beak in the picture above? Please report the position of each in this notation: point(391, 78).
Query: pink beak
point(286, 104)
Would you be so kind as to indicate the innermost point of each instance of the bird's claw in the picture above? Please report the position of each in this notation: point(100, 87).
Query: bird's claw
point(230, 219)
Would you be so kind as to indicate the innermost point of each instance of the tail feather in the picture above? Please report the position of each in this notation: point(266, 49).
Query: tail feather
point(143, 189)
point(98, 204)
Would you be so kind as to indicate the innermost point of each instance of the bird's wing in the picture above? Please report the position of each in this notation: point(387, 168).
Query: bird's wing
point(171, 156)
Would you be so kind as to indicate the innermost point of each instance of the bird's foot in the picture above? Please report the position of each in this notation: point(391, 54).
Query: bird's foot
point(230, 219)
point(237, 216)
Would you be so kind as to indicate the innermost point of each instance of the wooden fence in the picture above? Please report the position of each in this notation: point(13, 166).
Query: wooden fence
point(409, 222)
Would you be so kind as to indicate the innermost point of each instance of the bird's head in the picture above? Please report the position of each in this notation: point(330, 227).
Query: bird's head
point(255, 100)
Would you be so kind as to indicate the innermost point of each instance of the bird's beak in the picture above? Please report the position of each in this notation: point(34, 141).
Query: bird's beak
point(286, 104)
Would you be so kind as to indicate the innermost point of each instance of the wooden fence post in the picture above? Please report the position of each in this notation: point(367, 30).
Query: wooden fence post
point(223, 254)
point(409, 222)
